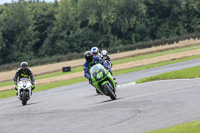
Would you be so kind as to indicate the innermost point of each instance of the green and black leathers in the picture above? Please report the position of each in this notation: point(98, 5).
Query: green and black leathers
point(24, 73)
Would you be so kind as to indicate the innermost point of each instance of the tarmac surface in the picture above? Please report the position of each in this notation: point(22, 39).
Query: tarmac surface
point(77, 108)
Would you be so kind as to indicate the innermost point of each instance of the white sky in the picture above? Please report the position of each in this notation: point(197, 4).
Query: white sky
point(9, 1)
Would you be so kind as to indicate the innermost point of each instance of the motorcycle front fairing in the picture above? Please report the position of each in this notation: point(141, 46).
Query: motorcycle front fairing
point(24, 83)
point(101, 76)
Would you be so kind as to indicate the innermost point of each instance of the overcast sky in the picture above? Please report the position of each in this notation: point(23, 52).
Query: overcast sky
point(9, 1)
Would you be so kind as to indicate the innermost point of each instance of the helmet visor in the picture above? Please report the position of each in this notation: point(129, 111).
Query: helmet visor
point(89, 59)
point(94, 54)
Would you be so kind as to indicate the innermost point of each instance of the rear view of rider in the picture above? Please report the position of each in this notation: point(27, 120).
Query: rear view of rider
point(95, 52)
point(24, 72)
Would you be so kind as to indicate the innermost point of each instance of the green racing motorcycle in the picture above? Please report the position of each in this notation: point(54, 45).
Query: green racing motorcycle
point(103, 81)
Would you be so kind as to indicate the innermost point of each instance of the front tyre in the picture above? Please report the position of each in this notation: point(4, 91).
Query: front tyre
point(97, 91)
point(24, 97)
point(109, 90)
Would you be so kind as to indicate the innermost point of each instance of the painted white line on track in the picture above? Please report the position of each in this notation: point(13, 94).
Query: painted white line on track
point(127, 84)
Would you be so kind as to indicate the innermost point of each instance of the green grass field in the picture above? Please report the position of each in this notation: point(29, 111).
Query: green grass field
point(192, 127)
point(193, 72)
point(115, 62)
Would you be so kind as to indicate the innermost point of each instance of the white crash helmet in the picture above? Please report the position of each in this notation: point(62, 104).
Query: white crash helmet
point(104, 53)
point(94, 50)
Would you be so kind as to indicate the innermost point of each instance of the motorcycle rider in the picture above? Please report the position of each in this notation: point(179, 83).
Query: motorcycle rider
point(95, 52)
point(90, 61)
point(104, 55)
point(24, 72)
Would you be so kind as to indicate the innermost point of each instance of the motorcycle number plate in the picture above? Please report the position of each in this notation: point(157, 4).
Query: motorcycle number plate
point(99, 75)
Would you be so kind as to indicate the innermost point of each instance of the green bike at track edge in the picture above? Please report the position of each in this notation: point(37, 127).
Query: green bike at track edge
point(103, 81)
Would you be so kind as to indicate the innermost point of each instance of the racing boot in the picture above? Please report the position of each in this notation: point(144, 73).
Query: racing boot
point(32, 87)
point(16, 90)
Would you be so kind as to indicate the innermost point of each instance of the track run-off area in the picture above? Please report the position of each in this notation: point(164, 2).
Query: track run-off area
point(78, 109)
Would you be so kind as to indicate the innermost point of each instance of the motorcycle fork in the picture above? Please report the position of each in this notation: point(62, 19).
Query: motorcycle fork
point(101, 84)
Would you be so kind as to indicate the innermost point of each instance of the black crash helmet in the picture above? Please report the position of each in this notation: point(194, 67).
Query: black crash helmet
point(24, 65)
point(88, 56)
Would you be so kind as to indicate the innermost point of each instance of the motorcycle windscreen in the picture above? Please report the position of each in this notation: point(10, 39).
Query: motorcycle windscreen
point(24, 81)
point(99, 74)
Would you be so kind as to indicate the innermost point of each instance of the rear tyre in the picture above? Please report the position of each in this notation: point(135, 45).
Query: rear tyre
point(109, 91)
point(24, 97)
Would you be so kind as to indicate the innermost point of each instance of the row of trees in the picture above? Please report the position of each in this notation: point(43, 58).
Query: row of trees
point(33, 29)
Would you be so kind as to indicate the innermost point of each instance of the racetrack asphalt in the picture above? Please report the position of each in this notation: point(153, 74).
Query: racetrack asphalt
point(78, 109)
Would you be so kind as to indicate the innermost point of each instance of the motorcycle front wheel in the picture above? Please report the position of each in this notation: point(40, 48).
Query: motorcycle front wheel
point(109, 91)
point(24, 97)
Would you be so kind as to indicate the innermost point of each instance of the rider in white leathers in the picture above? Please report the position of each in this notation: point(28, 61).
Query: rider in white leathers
point(104, 56)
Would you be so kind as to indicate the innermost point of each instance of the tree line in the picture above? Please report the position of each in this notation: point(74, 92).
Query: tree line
point(33, 29)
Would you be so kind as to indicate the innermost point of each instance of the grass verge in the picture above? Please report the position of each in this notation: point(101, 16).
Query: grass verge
point(192, 72)
point(192, 127)
point(115, 62)
point(11, 93)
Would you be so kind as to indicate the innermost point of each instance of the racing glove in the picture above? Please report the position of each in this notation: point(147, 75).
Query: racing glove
point(107, 68)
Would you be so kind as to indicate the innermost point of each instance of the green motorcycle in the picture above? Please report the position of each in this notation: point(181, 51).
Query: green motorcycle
point(103, 81)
